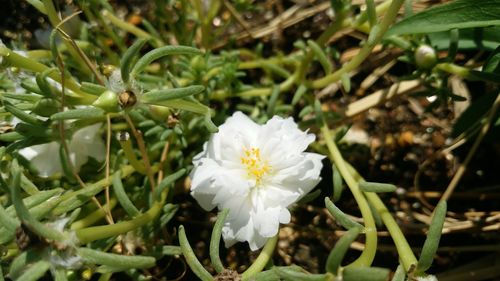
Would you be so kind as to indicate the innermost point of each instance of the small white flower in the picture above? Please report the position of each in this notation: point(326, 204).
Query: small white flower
point(257, 172)
point(84, 143)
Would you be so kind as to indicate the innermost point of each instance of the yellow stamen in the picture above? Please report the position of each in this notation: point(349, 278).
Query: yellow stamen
point(256, 167)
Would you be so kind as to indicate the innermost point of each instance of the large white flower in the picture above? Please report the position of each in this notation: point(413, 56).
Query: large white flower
point(257, 172)
point(84, 143)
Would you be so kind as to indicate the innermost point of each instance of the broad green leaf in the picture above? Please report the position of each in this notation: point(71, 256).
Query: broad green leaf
point(471, 38)
point(458, 14)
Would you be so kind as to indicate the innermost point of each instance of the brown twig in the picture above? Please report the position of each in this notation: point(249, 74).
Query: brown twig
point(142, 149)
point(463, 167)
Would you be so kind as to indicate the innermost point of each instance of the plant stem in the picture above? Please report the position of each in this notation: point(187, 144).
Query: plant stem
point(404, 250)
point(365, 50)
point(93, 233)
point(283, 86)
point(14, 59)
point(262, 259)
point(55, 20)
point(368, 253)
point(454, 69)
point(131, 28)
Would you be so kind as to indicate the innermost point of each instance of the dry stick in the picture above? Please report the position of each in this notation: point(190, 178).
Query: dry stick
point(142, 149)
point(163, 157)
point(60, 65)
point(238, 17)
point(472, 151)
point(77, 48)
point(108, 148)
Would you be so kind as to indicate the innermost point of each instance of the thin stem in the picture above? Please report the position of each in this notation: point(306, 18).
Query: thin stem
point(144, 152)
point(163, 157)
point(191, 258)
point(472, 152)
point(131, 28)
point(215, 241)
point(14, 59)
point(284, 86)
point(404, 250)
point(108, 148)
point(454, 69)
point(55, 21)
point(368, 253)
point(262, 259)
point(365, 50)
point(93, 233)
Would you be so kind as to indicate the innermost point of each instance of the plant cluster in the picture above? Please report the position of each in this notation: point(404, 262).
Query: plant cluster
point(105, 123)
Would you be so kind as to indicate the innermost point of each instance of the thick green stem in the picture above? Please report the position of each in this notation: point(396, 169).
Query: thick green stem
point(93, 233)
point(284, 86)
point(368, 253)
point(376, 34)
point(454, 69)
point(262, 259)
point(405, 253)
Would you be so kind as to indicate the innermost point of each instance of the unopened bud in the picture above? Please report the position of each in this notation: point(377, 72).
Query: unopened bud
point(46, 107)
point(107, 101)
point(425, 57)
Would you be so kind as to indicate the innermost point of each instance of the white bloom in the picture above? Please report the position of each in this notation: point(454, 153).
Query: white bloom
point(426, 278)
point(255, 171)
point(84, 143)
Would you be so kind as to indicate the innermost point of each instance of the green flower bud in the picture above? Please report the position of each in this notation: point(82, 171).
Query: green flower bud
point(425, 57)
point(46, 107)
point(107, 101)
point(159, 112)
point(198, 63)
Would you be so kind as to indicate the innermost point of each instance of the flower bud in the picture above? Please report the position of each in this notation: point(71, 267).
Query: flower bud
point(425, 57)
point(46, 107)
point(159, 112)
point(107, 101)
point(198, 63)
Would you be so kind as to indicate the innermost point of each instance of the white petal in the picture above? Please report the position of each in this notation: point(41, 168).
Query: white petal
point(256, 206)
point(44, 158)
point(88, 142)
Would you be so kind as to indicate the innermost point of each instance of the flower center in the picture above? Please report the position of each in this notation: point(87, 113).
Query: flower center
point(256, 167)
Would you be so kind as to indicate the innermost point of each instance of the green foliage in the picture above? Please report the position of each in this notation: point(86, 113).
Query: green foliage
point(457, 14)
point(158, 85)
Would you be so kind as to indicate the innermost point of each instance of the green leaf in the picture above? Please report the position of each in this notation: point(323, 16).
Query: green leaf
point(80, 113)
point(155, 54)
point(171, 94)
point(114, 260)
point(376, 187)
point(492, 64)
point(431, 243)
point(191, 258)
point(473, 114)
point(365, 274)
point(338, 252)
point(458, 14)
point(122, 196)
point(128, 56)
point(340, 216)
point(215, 241)
point(488, 39)
point(35, 271)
